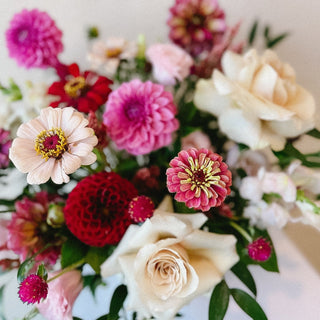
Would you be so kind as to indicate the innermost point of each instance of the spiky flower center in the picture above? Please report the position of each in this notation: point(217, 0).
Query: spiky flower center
point(51, 143)
point(201, 175)
point(74, 87)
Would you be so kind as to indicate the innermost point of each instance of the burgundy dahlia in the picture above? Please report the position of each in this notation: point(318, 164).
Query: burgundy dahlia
point(33, 289)
point(84, 91)
point(199, 178)
point(96, 210)
point(33, 39)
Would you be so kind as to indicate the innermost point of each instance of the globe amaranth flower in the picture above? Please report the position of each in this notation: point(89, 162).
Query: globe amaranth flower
point(5, 143)
point(53, 145)
point(28, 231)
point(96, 210)
point(84, 91)
point(259, 250)
point(199, 178)
point(33, 39)
point(33, 289)
point(140, 117)
point(141, 208)
point(196, 25)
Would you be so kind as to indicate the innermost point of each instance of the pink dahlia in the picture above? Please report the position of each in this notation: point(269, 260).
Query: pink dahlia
point(5, 143)
point(196, 25)
point(33, 289)
point(141, 208)
point(33, 39)
point(29, 232)
point(140, 117)
point(259, 250)
point(199, 178)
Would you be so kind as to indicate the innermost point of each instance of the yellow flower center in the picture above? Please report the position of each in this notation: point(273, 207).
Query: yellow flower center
point(113, 52)
point(51, 143)
point(200, 176)
point(74, 86)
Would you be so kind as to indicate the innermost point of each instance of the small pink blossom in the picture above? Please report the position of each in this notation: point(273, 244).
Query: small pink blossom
point(5, 143)
point(259, 250)
point(140, 117)
point(62, 294)
point(169, 63)
point(196, 139)
point(141, 208)
point(199, 178)
point(33, 289)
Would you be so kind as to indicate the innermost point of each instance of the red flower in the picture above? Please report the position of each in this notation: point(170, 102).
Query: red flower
point(96, 210)
point(259, 250)
point(33, 289)
point(84, 91)
point(141, 208)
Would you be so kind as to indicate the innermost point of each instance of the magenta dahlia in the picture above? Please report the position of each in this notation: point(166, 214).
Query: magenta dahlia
point(96, 210)
point(33, 289)
point(199, 178)
point(259, 250)
point(33, 39)
point(196, 25)
point(140, 117)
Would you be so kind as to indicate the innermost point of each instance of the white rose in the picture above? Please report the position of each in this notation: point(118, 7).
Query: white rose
point(167, 261)
point(257, 100)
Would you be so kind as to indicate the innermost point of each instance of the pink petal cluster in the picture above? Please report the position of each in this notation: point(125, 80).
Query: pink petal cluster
point(5, 143)
point(140, 117)
point(196, 25)
point(33, 289)
point(62, 294)
point(33, 39)
point(199, 178)
point(141, 208)
point(169, 63)
point(259, 250)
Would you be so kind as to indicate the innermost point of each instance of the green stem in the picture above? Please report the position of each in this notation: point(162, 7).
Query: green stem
point(31, 314)
point(243, 232)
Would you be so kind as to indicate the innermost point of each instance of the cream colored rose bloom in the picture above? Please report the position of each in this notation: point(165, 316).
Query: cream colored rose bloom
point(257, 100)
point(167, 261)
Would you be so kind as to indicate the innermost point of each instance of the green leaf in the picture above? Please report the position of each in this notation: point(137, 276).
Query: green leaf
point(266, 32)
point(314, 133)
point(219, 301)
point(117, 301)
point(272, 42)
point(42, 272)
point(253, 33)
point(104, 317)
point(93, 281)
point(248, 304)
point(76, 318)
point(72, 251)
point(24, 269)
point(243, 273)
point(96, 256)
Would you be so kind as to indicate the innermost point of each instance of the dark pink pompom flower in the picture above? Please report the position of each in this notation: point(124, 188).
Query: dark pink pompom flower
point(141, 208)
point(199, 178)
point(33, 39)
point(259, 250)
point(140, 117)
point(33, 289)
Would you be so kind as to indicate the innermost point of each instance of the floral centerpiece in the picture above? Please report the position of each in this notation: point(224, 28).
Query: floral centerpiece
point(166, 163)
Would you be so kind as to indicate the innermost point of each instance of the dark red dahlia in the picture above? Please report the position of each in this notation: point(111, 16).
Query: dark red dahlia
point(96, 210)
point(84, 91)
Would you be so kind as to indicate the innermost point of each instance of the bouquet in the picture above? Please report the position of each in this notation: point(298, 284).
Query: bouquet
point(165, 163)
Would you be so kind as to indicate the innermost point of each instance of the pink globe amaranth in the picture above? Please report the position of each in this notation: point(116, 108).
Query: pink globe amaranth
point(33, 39)
point(140, 117)
point(259, 250)
point(199, 178)
point(141, 208)
point(33, 289)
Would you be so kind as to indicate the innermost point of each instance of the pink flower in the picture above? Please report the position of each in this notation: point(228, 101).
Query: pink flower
point(169, 63)
point(53, 145)
point(196, 139)
point(140, 117)
point(33, 289)
point(62, 294)
point(28, 231)
point(196, 25)
point(259, 250)
point(33, 39)
point(200, 179)
point(5, 143)
point(141, 208)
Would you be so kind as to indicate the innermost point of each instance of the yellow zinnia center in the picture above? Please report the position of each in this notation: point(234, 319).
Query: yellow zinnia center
point(74, 86)
point(113, 52)
point(51, 143)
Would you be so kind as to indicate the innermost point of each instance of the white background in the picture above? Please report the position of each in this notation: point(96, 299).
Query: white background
point(295, 293)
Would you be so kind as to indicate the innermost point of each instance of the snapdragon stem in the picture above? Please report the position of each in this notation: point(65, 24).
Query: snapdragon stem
point(243, 232)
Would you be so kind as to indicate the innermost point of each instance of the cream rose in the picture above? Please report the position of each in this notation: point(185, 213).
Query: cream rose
point(257, 100)
point(167, 261)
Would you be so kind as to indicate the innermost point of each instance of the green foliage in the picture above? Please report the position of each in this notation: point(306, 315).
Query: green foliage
point(243, 273)
point(42, 272)
point(93, 281)
point(96, 256)
point(219, 301)
point(25, 268)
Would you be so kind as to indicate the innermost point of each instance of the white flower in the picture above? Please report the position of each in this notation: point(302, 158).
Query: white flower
point(257, 100)
point(309, 216)
point(168, 261)
point(53, 145)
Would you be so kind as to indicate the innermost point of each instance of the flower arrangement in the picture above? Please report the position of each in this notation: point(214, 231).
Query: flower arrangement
point(166, 163)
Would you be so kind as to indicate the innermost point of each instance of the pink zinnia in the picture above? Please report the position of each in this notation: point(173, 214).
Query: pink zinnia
point(196, 25)
point(33, 39)
point(33, 289)
point(199, 178)
point(259, 250)
point(5, 143)
point(141, 208)
point(140, 117)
